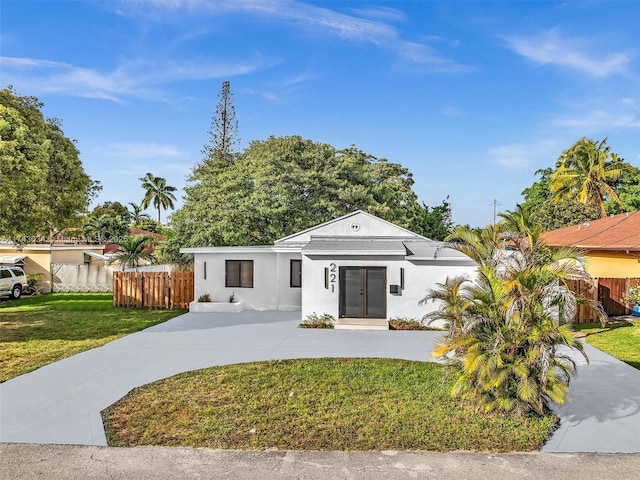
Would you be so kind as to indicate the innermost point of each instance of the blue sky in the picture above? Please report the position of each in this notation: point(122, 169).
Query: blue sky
point(473, 97)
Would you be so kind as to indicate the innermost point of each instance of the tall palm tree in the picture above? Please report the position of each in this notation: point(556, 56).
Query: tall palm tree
point(510, 322)
point(157, 193)
point(132, 251)
point(588, 171)
point(136, 215)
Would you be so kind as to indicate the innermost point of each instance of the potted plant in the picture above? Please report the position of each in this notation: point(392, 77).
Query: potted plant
point(633, 297)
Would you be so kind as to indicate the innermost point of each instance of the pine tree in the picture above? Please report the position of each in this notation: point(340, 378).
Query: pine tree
point(223, 134)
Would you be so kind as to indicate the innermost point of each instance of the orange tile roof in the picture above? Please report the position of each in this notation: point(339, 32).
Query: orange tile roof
point(139, 231)
point(619, 232)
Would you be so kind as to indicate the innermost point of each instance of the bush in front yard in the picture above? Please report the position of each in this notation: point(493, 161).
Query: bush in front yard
point(318, 321)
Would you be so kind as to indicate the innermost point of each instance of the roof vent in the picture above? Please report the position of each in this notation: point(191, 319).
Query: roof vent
point(585, 224)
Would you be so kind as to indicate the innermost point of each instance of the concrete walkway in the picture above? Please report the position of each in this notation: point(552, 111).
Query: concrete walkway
point(61, 403)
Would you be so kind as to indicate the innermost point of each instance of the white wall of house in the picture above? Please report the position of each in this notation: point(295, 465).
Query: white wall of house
point(419, 276)
point(271, 286)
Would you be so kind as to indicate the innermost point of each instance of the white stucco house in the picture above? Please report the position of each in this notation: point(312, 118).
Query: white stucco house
point(357, 266)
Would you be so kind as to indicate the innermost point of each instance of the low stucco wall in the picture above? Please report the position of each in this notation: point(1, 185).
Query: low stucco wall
point(203, 307)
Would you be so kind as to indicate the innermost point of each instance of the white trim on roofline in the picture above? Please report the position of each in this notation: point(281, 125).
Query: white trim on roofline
point(242, 249)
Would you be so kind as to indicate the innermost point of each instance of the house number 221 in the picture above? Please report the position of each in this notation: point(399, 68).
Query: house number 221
point(332, 276)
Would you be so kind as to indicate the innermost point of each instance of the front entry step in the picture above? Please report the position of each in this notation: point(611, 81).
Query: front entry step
point(362, 324)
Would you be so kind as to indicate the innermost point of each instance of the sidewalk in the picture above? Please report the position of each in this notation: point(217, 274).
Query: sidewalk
point(57, 462)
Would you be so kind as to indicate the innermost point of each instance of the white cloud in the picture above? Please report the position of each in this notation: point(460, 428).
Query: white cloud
point(371, 30)
point(599, 120)
point(130, 79)
point(550, 48)
point(301, 78)
point(381, 13)
point(521, 155)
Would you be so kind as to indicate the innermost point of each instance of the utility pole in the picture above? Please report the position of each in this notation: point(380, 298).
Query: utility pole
point(495, 205)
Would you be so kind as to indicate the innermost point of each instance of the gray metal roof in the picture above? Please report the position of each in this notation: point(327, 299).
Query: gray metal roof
point(412, 249)
point(357, 246)
point(429, 250)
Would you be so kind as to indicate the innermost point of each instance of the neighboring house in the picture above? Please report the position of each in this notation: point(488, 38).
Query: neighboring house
point(39, 258)
point(356, 266)
point(611, 244)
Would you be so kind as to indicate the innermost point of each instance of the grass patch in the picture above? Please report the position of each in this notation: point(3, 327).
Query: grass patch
point(318, 404)
point(36, 331)
point(618, 339)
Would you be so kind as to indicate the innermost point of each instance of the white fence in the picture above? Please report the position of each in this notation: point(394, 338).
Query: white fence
point(81, 278)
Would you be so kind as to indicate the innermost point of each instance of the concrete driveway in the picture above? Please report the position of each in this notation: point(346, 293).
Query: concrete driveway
point(61, 403)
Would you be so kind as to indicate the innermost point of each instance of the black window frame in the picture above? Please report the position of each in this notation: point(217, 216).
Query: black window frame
point(242, 264)
point(291, 276)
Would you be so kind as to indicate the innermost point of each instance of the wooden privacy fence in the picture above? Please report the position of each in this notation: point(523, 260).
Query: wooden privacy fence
point(165, 290)
point(609, 292)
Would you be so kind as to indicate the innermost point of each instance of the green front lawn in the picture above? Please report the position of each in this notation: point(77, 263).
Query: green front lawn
point(618, 339)
point(318, 404)
point(36, 331)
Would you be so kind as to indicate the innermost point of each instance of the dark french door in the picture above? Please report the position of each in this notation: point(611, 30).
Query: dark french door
point(362, 292)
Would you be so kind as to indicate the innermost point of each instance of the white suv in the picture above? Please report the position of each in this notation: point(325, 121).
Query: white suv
point(13, 282)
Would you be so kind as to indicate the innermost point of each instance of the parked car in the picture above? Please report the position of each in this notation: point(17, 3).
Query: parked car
point(13, 281)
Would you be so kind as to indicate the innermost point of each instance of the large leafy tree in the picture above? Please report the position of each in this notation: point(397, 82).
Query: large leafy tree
point(628, 189)
point(44, 186)
point(282, 185)
point(112, 209)
point(436, 222)
point(588, 171)
point(549, 212)
point(507, 327)
point(157, 193)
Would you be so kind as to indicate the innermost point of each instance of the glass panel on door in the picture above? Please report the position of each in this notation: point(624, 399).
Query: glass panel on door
point(352, 293)
point(375, 290)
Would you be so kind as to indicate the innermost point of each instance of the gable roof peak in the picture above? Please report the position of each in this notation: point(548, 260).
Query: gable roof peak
point(333, 228)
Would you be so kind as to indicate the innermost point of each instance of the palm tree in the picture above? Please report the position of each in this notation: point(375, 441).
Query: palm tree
point(157, 193)
point(506, 326)
point(136, 215)
point(588, 171)
point(105, 227)
point(97, 226)
point(518, 220)
point(132, 251)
